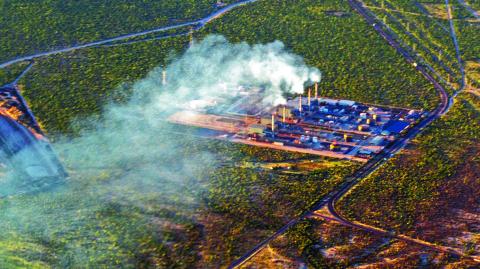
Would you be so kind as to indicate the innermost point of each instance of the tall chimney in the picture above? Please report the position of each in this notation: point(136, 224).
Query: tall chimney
point(300, 104)
point(164, 77)
point(191, 37)
point(273, 123)
point(309, 97)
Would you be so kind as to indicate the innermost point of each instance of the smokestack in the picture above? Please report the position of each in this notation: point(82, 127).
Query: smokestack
point(164, 77)
point(273, 123)
point(316, 90)
point(191, 37)
point(284, 114)
point(300, 104)
point(309, 97)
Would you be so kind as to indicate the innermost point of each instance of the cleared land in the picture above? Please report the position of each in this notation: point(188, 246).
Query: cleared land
point(437, 10)
point(232, 207)
point(473, 70)
point(319, 243)
point(327, 127)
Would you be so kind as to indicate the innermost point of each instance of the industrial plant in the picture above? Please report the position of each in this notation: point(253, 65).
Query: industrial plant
point(307, 124)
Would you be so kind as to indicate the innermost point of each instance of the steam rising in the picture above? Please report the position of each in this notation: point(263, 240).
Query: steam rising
point(216, 68)
point(133, 154)
point(213, 71)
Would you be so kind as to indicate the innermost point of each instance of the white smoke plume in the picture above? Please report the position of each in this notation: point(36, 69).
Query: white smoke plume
point(213, 69)
point(133, 149)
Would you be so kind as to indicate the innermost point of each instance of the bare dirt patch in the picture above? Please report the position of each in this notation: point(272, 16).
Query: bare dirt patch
point(437, 10)
point(472, 69)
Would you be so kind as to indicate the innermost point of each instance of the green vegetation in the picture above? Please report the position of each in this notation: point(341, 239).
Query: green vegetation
point(9, 259)
point(260, 203)
point(311, 239)
point(474, 4)
point(468, 38)
point(423, 27)
point(65, 87)
point(473, 72)
point(356, 62)
point(308, 244)
point(229, 208)
point(460, 12)
point(8, 75)
point(106, 221)
point(319, 243)
point(467, 29)
point(29, 26)
point(428, 181)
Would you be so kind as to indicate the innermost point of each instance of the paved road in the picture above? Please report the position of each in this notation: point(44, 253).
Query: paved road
point(198, 24)
point(390, 234)
point(250, 254)
point(17, 79)
point(374, 163)
point(469, 8)
point(455, 42)
point(427, 50)
point(16, 138)
point(397, 146)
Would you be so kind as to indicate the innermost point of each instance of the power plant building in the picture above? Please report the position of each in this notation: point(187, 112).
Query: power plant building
point(322, 126)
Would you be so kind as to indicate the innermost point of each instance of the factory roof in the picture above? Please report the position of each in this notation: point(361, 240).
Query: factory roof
point(377, 141)
point(328, 101)
point(396, 126)
point(257, 126)
point(346, 103)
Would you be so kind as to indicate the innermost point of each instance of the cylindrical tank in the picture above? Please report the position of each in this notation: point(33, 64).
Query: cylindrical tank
point(334, 146)
point(363, 128)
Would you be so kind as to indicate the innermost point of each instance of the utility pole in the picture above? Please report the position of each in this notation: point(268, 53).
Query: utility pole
point(190, 34)
point(164, 77)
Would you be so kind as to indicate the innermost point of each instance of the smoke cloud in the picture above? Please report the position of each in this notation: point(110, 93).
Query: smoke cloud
point(135, 150)
point(215, 68)
point(212, 71)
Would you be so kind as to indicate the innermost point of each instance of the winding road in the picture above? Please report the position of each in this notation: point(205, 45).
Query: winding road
point(457, 47)
point(330, 200)
point(442, 108)
point(414, 37)
point(397, 146)
point(36, 153)
point(469, 8)
point(198, 24)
